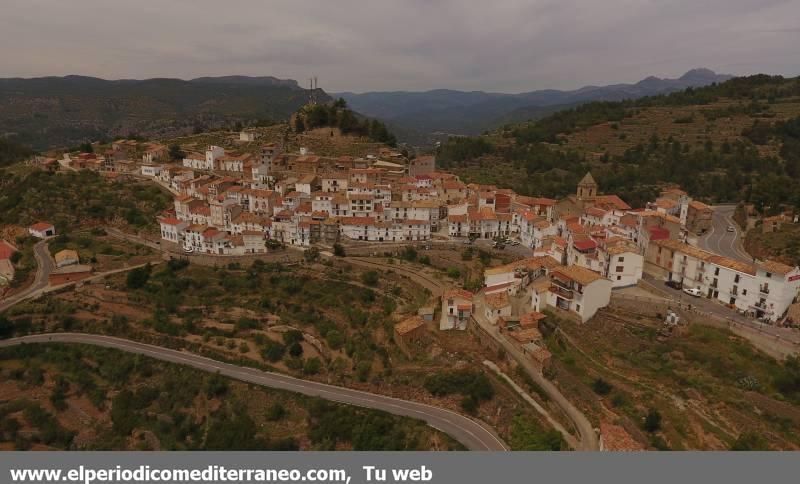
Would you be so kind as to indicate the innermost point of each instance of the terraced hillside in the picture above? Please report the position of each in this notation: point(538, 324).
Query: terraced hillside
point(726, 142)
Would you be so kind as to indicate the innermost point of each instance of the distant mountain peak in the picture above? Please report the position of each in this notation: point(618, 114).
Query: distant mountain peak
point(701, 74)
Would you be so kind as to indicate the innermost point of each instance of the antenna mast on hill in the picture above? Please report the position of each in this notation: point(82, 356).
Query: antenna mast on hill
point(312, 91)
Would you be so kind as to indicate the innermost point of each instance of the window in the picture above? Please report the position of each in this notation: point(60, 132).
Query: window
point(736, 279)
point(578, 308)
point(621, 259)
point(620, 268)
point(619, 278)
point(716, 271)
point(769, 274)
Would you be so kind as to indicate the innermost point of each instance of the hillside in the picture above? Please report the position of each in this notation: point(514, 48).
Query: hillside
point(58, 111)
point(728, 142)
point(420, 116)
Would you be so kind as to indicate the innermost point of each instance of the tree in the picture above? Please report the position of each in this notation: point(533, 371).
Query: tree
point(137, 278)
point(86, 148)
point(299, 125)
point(276, 412)
point(273, 351)
point(370, 278)
point(295, 349)
point(6, 328)
point(335, 339)
point(652, 421)
point(312, 366)
point(176, 153)
point(601, 387)
point(311, 254)
point(338, 250)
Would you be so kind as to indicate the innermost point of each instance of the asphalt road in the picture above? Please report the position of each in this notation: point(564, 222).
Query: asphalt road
point(719, 240)
point(785, 337)
point(471, 433)
point(44, 266)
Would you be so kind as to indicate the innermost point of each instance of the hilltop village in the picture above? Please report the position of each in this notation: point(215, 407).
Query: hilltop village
point(487, 271)
point(585, 245)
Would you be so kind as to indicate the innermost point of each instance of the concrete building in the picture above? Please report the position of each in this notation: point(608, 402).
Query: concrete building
point(42, 230)
point(66, 257)
point(457, 309)
point(578, 290)
point(699, 217)
point(764, 290)
point(623, 265)
point(498, 305)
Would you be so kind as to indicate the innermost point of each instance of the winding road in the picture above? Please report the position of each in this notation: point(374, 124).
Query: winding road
point(719, 240)
point(587, 437)
point(471, 433)
point(44, 267)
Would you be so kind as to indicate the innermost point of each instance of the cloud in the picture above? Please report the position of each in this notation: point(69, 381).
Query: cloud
point(508, 45)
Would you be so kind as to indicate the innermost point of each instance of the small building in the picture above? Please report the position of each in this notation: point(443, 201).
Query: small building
point(408, 332)
point(172, 229)
point(42, 230)
point(66, 257)
point(67, 274)
point(151, 171)
point(699, 217)
point(248, 136)
point(457, 308)
point(426, 313)
point(578, 290)
point(498, 305)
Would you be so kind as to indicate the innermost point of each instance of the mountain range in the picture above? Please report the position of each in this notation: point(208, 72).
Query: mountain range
point(420, 117)
point(48, 112)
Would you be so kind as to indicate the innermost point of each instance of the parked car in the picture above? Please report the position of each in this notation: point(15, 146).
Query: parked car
point(731, 228)
point(693, 291)
point(515, 242)
point(674, 284)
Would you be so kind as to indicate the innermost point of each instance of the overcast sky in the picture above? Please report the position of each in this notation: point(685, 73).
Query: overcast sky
point(493, 45)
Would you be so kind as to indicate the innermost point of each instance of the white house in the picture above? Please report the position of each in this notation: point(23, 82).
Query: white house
point(457, 308)
point(578, 290)
point(623, 265)
point(248, 136)
point(498, 305)
point(764, 290)
point(152, 171)
point(42, 230)
point(172, 229)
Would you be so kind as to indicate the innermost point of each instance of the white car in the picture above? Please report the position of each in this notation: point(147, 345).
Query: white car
point(693, 291)
point(731, 228)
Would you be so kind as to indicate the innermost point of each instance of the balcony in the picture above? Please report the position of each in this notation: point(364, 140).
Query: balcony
point(562, 292)
point(763, 289)
point(760, 305)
